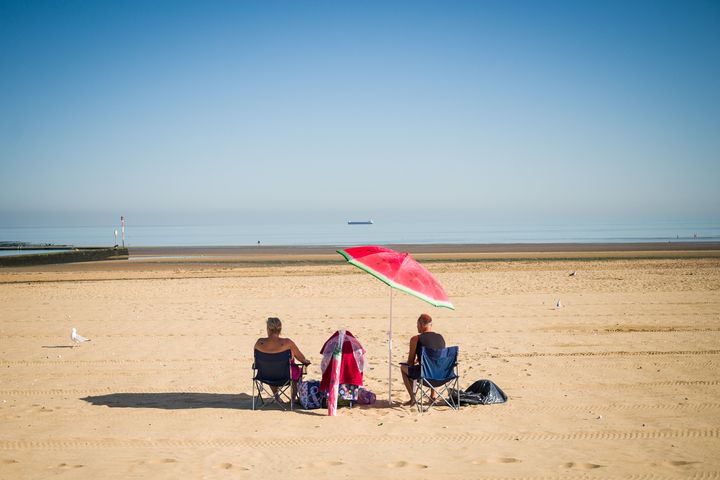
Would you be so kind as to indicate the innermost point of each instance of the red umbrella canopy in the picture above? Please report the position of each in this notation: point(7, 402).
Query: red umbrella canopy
point(400, 271)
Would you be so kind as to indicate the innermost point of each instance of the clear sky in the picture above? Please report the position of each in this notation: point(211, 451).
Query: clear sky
point(503, 108)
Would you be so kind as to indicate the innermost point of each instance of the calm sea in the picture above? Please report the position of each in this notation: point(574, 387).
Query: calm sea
point(381, 232)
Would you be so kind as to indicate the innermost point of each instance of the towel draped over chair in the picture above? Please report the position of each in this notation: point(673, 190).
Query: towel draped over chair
point(352, 363)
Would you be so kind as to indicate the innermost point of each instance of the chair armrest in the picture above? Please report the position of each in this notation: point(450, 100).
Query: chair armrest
point(302, 366)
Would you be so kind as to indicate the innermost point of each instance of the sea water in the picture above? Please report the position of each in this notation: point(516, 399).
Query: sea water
point(336, 231)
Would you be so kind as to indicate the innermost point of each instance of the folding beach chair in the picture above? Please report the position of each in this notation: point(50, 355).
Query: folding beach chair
point(273, 370)
point(438, 374)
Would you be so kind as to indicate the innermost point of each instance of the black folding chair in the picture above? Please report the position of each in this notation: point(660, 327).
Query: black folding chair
point(438, 374)
point(273, 370)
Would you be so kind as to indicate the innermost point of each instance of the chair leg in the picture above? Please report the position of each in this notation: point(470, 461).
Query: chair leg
point(423, 397)
point(457, 390)
point(417, 391)
point(419, 402)
point(273, 397)
point(442, 396)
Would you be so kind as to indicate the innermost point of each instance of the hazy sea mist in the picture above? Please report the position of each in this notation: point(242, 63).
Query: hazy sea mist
point(235, 230)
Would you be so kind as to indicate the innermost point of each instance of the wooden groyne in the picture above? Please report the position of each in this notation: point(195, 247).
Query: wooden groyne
point(84, 254)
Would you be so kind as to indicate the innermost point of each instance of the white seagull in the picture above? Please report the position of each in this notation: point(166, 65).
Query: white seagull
point(77, 338)
point(558, 304)
point(573, 273)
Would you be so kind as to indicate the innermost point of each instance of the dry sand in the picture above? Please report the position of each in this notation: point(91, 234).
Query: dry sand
point(622, 382)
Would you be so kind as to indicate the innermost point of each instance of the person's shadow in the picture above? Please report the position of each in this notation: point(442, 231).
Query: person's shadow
point(182, 400)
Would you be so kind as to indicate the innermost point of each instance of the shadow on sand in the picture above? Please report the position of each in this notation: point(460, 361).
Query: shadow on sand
point(187, 400)
point(182, 400)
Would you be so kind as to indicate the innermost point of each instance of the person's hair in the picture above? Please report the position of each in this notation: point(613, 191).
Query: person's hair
point(274, 325)
point(424, 319)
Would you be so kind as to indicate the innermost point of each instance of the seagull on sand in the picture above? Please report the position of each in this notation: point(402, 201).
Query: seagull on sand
point(572, 274)
point(77, 338)
point(558, 304)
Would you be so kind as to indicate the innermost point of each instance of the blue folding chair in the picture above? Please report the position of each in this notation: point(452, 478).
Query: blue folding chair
point(273, 370)
point(438, 374)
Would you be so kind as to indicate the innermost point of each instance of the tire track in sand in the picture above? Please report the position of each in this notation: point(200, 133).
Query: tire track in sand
point(294, 442)
point(107, 390)
point(572, 331)
point(233, 390)
point(120, 361)
point(618, 353)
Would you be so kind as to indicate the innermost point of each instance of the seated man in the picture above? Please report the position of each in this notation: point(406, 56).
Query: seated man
point(273, 343)
point(427, 339)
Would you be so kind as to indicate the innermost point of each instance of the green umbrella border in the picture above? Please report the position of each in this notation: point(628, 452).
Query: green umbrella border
point(395, 285)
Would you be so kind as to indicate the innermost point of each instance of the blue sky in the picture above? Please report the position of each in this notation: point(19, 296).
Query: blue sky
point(503, 109)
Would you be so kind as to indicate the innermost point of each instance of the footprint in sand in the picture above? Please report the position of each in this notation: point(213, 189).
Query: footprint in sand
point(508, 460)
point(677, 463)
point(403, 464)
point(486, 461)
point(9, 461)
point(228, 466)
point(321, 465)
point(582, 466)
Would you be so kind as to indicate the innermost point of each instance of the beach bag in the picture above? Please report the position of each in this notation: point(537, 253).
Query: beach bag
point(347, 392)
point(365, 397)
point(310, 395)
point(482, 392)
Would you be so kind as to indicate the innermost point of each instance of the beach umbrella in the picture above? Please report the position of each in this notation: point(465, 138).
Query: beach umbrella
point(402, 272)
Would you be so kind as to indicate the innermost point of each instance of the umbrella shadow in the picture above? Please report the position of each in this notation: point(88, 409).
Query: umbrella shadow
point(172, 400)
point(193, 400)
point(179, 401)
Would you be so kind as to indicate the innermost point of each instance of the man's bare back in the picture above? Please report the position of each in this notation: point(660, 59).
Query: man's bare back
point(276, 344)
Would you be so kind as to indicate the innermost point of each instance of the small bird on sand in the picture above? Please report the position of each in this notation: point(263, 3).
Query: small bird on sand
point(558, 304)
point(572, 274)
point(77, 338)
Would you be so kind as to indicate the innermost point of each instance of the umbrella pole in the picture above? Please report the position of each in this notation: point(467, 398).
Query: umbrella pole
point(390, 352)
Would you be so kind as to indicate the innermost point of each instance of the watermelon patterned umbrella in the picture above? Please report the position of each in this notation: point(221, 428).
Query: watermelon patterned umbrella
point(402, 272)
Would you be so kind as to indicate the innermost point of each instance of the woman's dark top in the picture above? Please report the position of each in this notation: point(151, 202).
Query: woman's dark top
point(429, 340)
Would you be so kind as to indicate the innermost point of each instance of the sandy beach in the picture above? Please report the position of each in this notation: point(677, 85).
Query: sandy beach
point(621, 382)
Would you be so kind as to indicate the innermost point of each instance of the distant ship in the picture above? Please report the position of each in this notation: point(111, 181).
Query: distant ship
point(360, 222)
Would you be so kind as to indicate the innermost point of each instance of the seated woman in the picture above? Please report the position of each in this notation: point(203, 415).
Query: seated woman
point(273, 343)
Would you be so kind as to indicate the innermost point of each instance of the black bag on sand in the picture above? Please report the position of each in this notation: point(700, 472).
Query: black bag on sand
point(482, 392)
